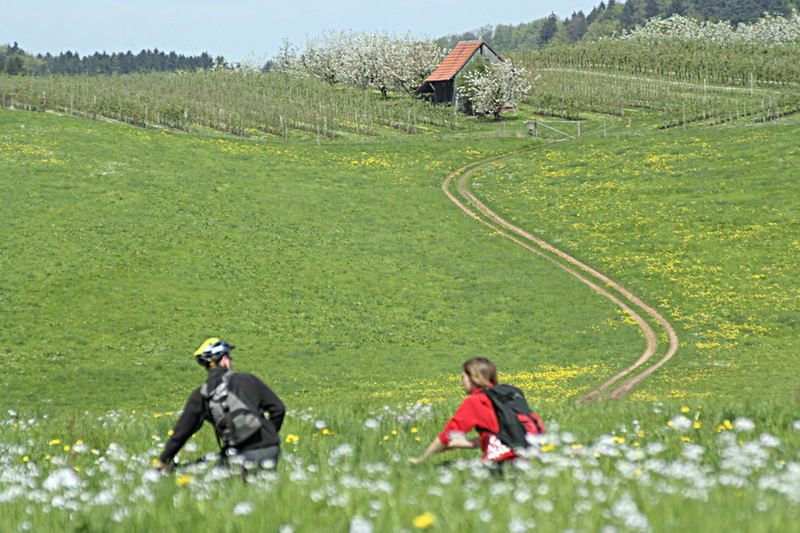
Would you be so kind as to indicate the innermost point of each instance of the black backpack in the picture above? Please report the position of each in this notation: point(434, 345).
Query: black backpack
point(514, 416)
point(234, 421)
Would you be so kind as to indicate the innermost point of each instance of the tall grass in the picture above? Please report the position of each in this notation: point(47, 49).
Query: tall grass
point(344, 468)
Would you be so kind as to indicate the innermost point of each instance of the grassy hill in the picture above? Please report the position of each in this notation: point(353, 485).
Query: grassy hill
point(351, 283)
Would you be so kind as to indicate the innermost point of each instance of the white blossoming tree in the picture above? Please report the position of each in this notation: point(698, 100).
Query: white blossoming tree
point(769, 29)
point(366, 60)
point(493, 87)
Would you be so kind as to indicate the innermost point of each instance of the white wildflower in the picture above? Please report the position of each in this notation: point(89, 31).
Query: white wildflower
point(64, 478)
point(680, 423)
point(693, 452)
point(359, 524)
point(151, 476)
point(625, 509)
point(545, 506)
point(520, 525)
point(436, 491)
point(341, 451)
point(769, 441)
point(243, 508)
point(743, 424)
point(522, 495)
point(654, 448)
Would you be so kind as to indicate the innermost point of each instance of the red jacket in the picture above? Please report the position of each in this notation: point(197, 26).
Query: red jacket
point(476, 411)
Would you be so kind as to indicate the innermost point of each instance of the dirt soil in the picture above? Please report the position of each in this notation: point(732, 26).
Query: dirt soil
point(624, 381)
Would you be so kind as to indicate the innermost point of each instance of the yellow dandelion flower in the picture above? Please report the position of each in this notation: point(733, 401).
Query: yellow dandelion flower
point(697, 425)
point(67, 448)
point(393, 432)
point(26, 459)
point(414, 430)
point(183, 480)
point(424, 521)
point(327, 431)
point(548, 447)
point(54, 442)
point(619, 440)
point(386, 437)
point(292, 438)
point(685, 409)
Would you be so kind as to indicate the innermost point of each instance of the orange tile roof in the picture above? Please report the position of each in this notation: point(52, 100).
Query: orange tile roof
point(455, 60)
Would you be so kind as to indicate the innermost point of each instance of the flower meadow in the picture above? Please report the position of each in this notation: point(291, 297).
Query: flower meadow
point(355, 289)
point(703, 225)
point(342, 469)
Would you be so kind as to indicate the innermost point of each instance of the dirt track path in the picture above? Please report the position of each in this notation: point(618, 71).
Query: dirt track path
point(615, 387)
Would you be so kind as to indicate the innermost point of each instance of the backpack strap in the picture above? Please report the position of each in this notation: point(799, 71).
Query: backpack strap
point(207, 394)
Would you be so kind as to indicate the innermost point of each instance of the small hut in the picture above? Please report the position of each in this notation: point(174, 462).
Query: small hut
point(440, 86)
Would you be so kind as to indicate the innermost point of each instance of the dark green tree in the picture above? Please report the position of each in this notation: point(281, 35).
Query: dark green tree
point(549, 29)
point(15, 65)
point(651, 9)
point(678, 7)
point(576, 26)
point(629, 16)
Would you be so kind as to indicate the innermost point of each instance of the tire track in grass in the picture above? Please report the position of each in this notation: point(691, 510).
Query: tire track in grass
point(624, 299)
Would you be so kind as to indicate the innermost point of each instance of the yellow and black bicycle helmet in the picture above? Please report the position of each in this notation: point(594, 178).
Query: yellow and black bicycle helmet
point(212, 351)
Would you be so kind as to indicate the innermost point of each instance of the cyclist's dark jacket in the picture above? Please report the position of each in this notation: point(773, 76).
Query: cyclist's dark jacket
point(251, 390)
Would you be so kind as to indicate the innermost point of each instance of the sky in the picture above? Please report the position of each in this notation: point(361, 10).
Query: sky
point(246, 30)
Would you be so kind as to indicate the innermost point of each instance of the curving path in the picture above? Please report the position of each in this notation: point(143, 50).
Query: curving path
point(624, 381)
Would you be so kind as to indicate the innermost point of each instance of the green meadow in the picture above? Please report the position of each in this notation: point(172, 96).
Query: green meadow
point(356, 288)
point(335, 266)
point(703, 222)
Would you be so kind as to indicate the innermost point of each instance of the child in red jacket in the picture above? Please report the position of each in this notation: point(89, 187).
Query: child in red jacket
point(475, 412)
